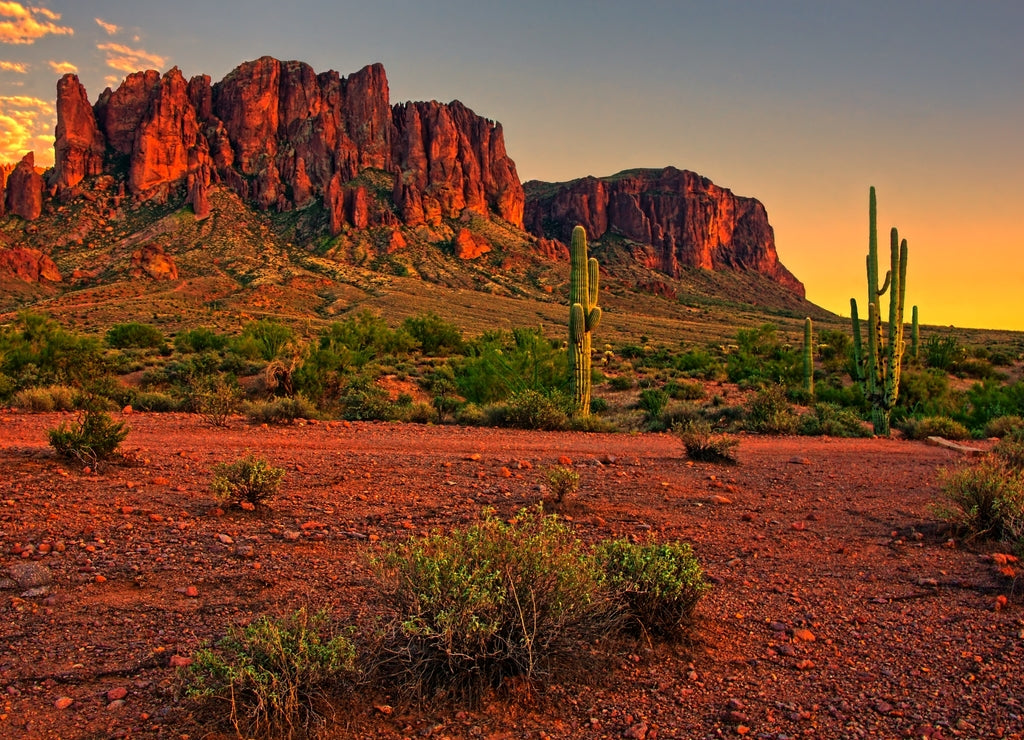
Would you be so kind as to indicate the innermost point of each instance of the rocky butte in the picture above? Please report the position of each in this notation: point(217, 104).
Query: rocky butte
point(284, 137)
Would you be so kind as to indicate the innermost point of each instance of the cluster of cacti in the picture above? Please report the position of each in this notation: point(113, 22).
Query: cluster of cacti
point(808, 356)
point(584, 316)
point(879, 368)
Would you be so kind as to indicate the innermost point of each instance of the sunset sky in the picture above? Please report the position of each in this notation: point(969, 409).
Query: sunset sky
point(802, 105)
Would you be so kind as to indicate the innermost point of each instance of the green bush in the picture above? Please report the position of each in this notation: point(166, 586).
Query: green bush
point(702, 445)
point(269, 678)
point(831, 420)
point(622, 382)
point(200, 339)
point(93, 438)
point(1010, 450)
point(134, 334)
point(434, 335)
point(691, 390)
point(214, 397)
point(652, 401)
point(986, 499)
point(361, 399)
point(154, 401)
point(248, 482)
point(942, 352)
point(934, 426)
point(491, 601)
point(598, 405)
point(280, 410)
point(562, 481)
point(50, 398)
point(770, 413)
point(532, 409)
point(659, 584)
point(270, 338)
point(1002, 426)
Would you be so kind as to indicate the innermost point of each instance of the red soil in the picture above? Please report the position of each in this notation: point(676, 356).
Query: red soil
point(841, 608)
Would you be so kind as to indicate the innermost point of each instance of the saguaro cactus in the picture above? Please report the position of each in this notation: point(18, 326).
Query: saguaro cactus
point(879, 370)
point(915, 334)
point(808, 356)
point(584, 316)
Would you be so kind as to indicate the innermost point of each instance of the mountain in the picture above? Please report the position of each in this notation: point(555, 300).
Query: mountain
point(278, 176)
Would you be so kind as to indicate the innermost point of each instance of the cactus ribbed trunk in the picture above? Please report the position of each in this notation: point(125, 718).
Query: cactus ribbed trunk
point(808, 357)
point(915, 334)
point(879, 369)
point(584, 316)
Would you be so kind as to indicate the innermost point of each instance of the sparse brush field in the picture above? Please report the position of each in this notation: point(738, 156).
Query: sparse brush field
point(816, 588)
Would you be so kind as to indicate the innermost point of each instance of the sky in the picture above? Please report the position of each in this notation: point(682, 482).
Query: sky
point(800, 104)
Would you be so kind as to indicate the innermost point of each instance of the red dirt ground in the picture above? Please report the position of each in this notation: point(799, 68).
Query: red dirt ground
point(840, 607)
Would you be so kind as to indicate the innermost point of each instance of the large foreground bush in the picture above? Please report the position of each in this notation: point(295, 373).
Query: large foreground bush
point(495, 600)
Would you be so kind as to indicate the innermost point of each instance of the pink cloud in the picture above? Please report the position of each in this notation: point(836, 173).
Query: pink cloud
point(26, 122)
point(62, 68)
point(125, 59)
point(110, 28)
point(24, 25)
point(19, 67)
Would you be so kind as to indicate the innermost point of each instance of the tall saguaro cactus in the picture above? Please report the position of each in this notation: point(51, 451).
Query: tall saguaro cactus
point(808, 356)
point(584, 316)
point(879, 369)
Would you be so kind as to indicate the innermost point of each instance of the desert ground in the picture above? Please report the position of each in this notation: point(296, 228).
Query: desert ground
point(841, 605)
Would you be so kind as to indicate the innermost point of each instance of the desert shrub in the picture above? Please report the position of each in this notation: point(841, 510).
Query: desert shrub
point(680, 413)
point(500, 364)
point(697, 362)
point(280, 410)
point(200, 339)
point(691, 390)
point(652, 401)
point(471, 415)
point(833, 390)
point(530, 409)
point(834, 347)
point(769, 412)
point(248, 482)
point(442, 396)
point(761, 357)
point(974, 367)
point(926, 393)
point(591, 423)
point(1010, 450)
point(659, 585)
point(490, 601)
point(934, 426)
point(134, 334)
point(361, 399)
point(268, 679)
point(622, 382)
point(417, 413)
point(598, 405)
point(703, 445)
point(986, 499)
point(94, 437)
point(35, 351)
point(49, 398)
point(942, 352)
point(562, 481)
point(833, 421)
point(989, 400)
point(153, 401)
point(433, 335)
point(270, 338)
point(214, 397)
point(1001, 426)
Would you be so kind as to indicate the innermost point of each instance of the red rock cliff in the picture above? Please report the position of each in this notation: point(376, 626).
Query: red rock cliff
point(282, 136)
point(685, 219)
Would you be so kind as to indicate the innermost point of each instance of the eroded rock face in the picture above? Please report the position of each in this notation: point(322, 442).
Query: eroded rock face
point(30, 265)
point(283, 136)
point(24, 195)
point(684, 218)
point(79, 146)
point(469, 246)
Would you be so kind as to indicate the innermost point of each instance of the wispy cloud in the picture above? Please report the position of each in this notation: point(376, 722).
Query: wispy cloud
point(19, 67)
point(27, 124)
point(125, 59)
point(110, 28)
point(111, 80)
point(62, 68)
point(23, 25)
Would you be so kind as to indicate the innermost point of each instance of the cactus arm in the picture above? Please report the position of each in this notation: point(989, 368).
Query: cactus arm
point(808, 356)
point(858, 348)
point(593, 275)
point(915, 333)
point(577, 324)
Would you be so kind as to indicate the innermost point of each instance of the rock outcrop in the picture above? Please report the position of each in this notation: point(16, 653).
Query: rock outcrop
point(150, 261)
point(30, 265)
point(25, 186)
point(79, 146)
point(680, 217)
point(283, 136)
